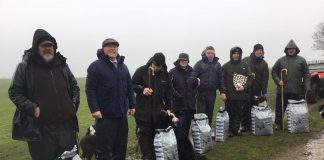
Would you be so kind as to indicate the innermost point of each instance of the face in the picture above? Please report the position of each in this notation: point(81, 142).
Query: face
point(111, 50)
point(210, 54)
point(236, 56)
point(291, 51)
point(258, 53)
point(183, 63)
point(157, 68)
point(46, 51)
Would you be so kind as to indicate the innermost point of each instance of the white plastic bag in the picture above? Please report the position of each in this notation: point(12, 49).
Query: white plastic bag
point(201, 134)
point(297, 116)
point(165, 144)
point(222, 125)
point(261, 119)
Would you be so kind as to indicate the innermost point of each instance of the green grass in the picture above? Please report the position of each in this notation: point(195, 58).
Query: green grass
point(246, 147)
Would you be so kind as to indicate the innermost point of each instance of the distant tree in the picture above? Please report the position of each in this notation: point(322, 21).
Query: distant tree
point(318, 37)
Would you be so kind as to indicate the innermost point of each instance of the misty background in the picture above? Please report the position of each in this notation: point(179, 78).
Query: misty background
point(144, 27)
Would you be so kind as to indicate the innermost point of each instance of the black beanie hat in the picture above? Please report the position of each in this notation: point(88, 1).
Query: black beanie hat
point(159, 59)
point(257, 47)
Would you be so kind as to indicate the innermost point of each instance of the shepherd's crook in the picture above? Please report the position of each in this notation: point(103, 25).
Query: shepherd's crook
point(282, 98)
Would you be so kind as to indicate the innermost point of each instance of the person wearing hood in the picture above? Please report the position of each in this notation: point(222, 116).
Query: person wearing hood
point(237, 96)
point(296, 81)
point(184, 83)
point(152, 85)
point(210, 76)
point(110, 96)
point(47, 98)
point(260, 70)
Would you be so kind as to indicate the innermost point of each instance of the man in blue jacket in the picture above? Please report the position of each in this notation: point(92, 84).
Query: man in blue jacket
point(110, 95)
point(209, 71)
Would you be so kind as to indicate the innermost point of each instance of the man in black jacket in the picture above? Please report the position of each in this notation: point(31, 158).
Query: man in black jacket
point(210, 74)
point(184, 83)
point(110, 95)
point(46, 95)
point(152, 86)
point(260, 70)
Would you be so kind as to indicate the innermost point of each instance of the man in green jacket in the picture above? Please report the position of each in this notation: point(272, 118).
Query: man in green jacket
point(294, 82)
point(237, 96)
point(259, 68)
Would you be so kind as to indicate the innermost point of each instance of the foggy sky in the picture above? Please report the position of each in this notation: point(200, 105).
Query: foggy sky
point(144, 27)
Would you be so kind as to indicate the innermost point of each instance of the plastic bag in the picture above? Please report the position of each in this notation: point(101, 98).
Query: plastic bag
point(201, 134)
point(165, 144)
point(297, 116)
point(261, 119)
point(222, 125)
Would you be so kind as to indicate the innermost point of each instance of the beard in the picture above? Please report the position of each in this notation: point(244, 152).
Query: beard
point(48, 57)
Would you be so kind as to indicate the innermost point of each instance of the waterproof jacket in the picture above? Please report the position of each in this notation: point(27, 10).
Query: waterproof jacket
point(109, 89)
point(259, 67)
point(149, 107)
point(184, 85)
point(210, 74)
point(238, 67)
point(297, 79)
point(21, 90)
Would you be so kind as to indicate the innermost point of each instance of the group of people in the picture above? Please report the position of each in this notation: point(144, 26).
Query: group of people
point(47, 97)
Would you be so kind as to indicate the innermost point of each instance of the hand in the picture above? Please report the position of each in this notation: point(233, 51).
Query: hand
point(281, 83)
point(147, 91)
point(223, 97)
point(37, 112)
point(168, 112)
point(97, 115)
point(240, 88)
point(131, 112)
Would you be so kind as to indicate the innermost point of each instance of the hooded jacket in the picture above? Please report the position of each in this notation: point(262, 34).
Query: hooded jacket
point(297, 80)
point(260, 68)
point(238, 67)
point(149, 107)
point(184, 84)
point(210, 75)
point(109, 89)
point(21, 90)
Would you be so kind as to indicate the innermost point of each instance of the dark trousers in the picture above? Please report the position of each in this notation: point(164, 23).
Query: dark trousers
point(206, 103)
point(146, 133)
point(235, 111)
point(286, 96)
point(56, 138)
point(111, 138)
point(185, 118)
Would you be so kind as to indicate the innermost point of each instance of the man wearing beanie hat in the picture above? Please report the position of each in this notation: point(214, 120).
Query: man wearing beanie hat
point(295, 82)
point(237, 96)
point(184, 83)
point(152, 85)
point(260, 70)
point(110, 96)
point(210, 75)
point(46, 95)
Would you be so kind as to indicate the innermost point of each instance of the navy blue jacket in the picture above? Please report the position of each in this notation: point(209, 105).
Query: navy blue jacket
point(210, 74)
point(184, 85)
point(108, 89)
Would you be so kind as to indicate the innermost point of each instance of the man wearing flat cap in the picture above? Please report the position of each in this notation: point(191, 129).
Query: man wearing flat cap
point(46, 95)
point(151, 84)
point(110, 96)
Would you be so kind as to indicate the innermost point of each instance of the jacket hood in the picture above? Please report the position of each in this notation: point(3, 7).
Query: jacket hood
point(291, 44)
point(41, 35)
point(102, 56)
point(153, 60)
point(233, 50)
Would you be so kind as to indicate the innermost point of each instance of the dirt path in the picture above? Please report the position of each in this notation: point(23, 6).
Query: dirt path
point(313, 150)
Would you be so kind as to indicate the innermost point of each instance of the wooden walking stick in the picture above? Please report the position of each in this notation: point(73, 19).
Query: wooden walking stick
point(282, 98)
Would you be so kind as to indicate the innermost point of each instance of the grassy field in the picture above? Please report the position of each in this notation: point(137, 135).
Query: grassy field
point(240, 148)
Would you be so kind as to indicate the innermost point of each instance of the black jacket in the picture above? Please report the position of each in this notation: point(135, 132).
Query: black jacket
point(149, 107)
point(184, 85)
point(210, 74)
point(108, 89)
point(260, 68)
point(21, 91)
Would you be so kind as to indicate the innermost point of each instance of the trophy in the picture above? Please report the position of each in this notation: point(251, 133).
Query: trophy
point(239, 80)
